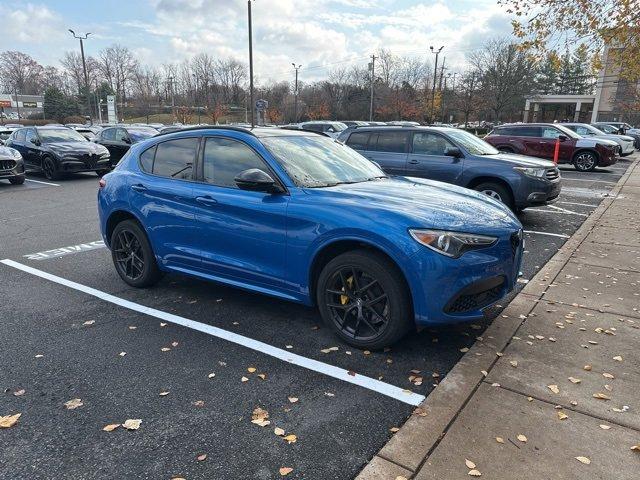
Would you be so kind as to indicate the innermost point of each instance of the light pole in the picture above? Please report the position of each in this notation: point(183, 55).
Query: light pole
point(84, 68)
point(173, 99)
point(372, 68)
point(435, 76)
point(295, 94)
point(251, 105)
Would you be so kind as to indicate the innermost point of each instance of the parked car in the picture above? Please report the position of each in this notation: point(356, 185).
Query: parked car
point(353, 123)
point(585, 130)
point(458, 157)
point(613, 130)
point(621, 126)
point(87, 132)
point(539, 140)
point(11, 166)
point(171, 128)
point(118, 140)
point(304, 218)
point(332, 129)
point(55, 151)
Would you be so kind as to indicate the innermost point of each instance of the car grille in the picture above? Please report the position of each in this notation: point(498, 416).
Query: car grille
point(89, 160)
point(552, 173)
point(7, 164)
point(476, 300)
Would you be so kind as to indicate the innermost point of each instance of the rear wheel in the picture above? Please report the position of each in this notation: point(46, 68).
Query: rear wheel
point(17, 180)
point(364, 298)
point(585, 161)
point(50, 168)
point(496, 191)
point(132, 255)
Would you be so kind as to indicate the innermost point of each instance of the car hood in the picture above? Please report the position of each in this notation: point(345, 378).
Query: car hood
point(612, 137)
point(425, 203)
point(7, 153)
point(520, 160)
point(591, 142)
point(76, 148)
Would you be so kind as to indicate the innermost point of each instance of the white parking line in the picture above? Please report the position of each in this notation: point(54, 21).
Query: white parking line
point(585, 192)
point(559, 235)
point(579, 204)
point(567, 212)
point(403, 395)
point(44, 183)
point(560, 209)
point(569, 179)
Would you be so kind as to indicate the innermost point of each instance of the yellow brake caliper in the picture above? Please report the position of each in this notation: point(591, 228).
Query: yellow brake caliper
point(344, 299)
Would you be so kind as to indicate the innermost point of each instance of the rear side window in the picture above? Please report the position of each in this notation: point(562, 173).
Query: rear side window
point(224, 159)
point(526, 131)
point(108, 134)
point(392, 142)
point(550, 132)
point(20, 135)
point(358, 140)
point(31, 135)
point(175, 158)
point(146, 159)
point(427, 143)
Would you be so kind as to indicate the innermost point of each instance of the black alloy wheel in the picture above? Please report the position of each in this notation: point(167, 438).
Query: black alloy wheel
point(363, 297)
point(132, 255)
point(49, 168)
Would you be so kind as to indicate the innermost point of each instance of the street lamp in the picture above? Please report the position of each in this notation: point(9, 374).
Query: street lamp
point(435, 76)
point(84, 66)
point(251, 105)
point(295, 93)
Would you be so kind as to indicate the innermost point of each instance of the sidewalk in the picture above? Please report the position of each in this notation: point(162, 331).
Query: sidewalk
point(555, 377)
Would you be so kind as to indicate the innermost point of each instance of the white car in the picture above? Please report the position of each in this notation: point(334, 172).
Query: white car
point(625, 142)
point(332, 129)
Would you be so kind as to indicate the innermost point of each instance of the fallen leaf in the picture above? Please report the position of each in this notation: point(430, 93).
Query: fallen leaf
point(284, 471)
point(259, 414)
point(279, 431)
point(244, 379)
point(261, 423)
point(394, 429)
point(562, 416)
point(293, 399)
point(122, 354)
point(9, 421)
point(163, 324)
point(211, 375)
point(132, 424)
point(513, 363)
point(111, 427)
point(251, 369)
point(464, 350)
point(291, 438)
point(18, 393)
point(587, 368)
point(201, 458)
point(132, 327)
point(617, 358)
point(262, 376)
point(474, 473)
point(198, 403)
point(636, 448)
point(574, 380)
point(607, 375)
point(605, 427)
point(553, 388)
point(366, 352)
point(351, 372)
point(522, 438)
point(165, 349)
point(469, 464)
point(584, 460)
point(73, 404)
point(420, 412)
point(89, 322)
point(601, 396)
point(499, 439)
point(164, 394)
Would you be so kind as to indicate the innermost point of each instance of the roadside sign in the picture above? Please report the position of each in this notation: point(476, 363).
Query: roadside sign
point(262, 105)
point(30, 104)
point(5, 103)
point(111, 109)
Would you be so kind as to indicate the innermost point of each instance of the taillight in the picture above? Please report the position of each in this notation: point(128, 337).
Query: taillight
point(102, 183)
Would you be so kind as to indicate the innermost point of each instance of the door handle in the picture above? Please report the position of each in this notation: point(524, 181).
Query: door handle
point(139, 188)
point(206, 200)
point(413, 161)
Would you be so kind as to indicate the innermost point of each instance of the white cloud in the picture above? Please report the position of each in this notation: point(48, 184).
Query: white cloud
point(30, 23)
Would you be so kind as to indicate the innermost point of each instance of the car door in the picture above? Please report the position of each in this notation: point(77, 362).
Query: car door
point(549, 138)
point(241, 234)
point(389, 150)
point(161, 195)
point(528, 140)
point(427, 158)
point(32, 148)
point(107, 139)
point(120, 146)
point(17, 141)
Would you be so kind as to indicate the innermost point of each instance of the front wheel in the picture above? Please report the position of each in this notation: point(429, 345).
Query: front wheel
point(585, 162)
point(497, 192)
point(50, 168)
point(364, 298)
point(132, 255)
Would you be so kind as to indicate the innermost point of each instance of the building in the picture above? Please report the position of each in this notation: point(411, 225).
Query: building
point(21, 106)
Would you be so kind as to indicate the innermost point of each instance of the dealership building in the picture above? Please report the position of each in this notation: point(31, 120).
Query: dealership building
point(12, 105)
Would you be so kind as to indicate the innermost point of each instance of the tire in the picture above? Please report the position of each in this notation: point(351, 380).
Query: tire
point(132, 255)
point(376, 311)
point(496, 191)
point(50, 168)
point(17, 180)
point(585, 161)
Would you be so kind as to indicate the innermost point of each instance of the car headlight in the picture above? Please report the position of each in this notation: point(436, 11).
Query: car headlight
point(531, 172)
point(15, 153)
point(451, 244)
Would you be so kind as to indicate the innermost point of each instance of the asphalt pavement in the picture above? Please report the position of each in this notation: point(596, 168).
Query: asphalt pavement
point(61, 341)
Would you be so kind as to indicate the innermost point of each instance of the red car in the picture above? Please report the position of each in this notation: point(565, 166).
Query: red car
point(539, 140)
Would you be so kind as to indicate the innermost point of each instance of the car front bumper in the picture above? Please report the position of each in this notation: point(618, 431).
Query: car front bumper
point(452, 290)
point(84, 165)
point(11, 168)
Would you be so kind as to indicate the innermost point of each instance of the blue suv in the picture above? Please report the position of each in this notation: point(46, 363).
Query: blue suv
point(302, 217)
point(455, 156)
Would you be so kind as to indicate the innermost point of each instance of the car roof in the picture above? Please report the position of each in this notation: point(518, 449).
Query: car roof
point(255, 131)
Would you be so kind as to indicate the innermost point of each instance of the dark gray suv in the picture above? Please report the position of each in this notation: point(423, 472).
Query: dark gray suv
point(459, 157)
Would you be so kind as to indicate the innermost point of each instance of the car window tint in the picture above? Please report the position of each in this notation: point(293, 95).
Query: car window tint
point(20, 135)
point(109, 134)
point(358, 140)
point(427, 143)
point(393, 142)
point(550, 132)
point(224, 159)
point(121, 135)
point(174, 158)
point(526, 131)
point(31, 135)
point(146, 159)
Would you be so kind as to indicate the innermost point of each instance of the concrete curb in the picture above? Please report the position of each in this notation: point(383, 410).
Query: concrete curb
point(409, 448)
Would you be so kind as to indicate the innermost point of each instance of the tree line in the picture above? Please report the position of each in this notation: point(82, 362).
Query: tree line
point(493, 85)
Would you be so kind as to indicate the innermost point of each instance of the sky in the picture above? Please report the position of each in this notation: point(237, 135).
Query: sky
point(319, 35)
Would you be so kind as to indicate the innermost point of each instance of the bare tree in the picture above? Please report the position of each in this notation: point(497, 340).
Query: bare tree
point(19, 72)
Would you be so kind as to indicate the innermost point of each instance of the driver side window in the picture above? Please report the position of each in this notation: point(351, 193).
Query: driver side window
point(31, 136)
point(430, 144)
point(122, 135)
point(224, 159)
point(550, 132)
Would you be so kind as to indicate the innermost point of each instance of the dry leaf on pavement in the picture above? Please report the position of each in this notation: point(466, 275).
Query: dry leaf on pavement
point(279, 431)
point(499, 439)
point(584, 460)
point(636, 448)
point(553, 388)
point(605, 427)
point(111, 427)
point(522, 438)
point(562, 416)
point(617, 358)
point(284, 471)
point(574, 380)
point(73, 404)
point(211, 375)
point(201, 458)
point(469, 464)
point(474, 473)
point(291, 438)
point(293, 399)
point(9, 421)
point(601, 396)
point(251, 369)
point(89, 322)
point(244, 379)
point(132, 424)
point(19, 393)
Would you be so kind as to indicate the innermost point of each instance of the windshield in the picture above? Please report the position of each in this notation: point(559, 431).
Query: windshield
point(139, 135)
point(471, 143)
point(568, 132)
point(320, 161)
point(52, 135)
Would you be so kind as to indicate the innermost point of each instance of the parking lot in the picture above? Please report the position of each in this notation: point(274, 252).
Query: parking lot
point(194, 360)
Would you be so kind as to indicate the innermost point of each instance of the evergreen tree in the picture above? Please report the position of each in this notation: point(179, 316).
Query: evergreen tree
point(57, 105)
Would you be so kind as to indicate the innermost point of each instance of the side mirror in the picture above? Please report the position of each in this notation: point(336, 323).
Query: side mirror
point(257, 180)
point(453, 152)
point(563, 138)
point(35, 141)
point(126, 140)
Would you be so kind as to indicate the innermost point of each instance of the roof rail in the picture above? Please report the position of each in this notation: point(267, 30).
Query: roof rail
point(209, 127)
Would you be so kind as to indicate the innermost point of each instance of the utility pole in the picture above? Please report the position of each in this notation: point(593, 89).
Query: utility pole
point(15, 90)
point(372, 69)
point(251, 105)
point(173, 99)
point(84, 68)
point(435, 76)
point(295, 95)
point(442, 99)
